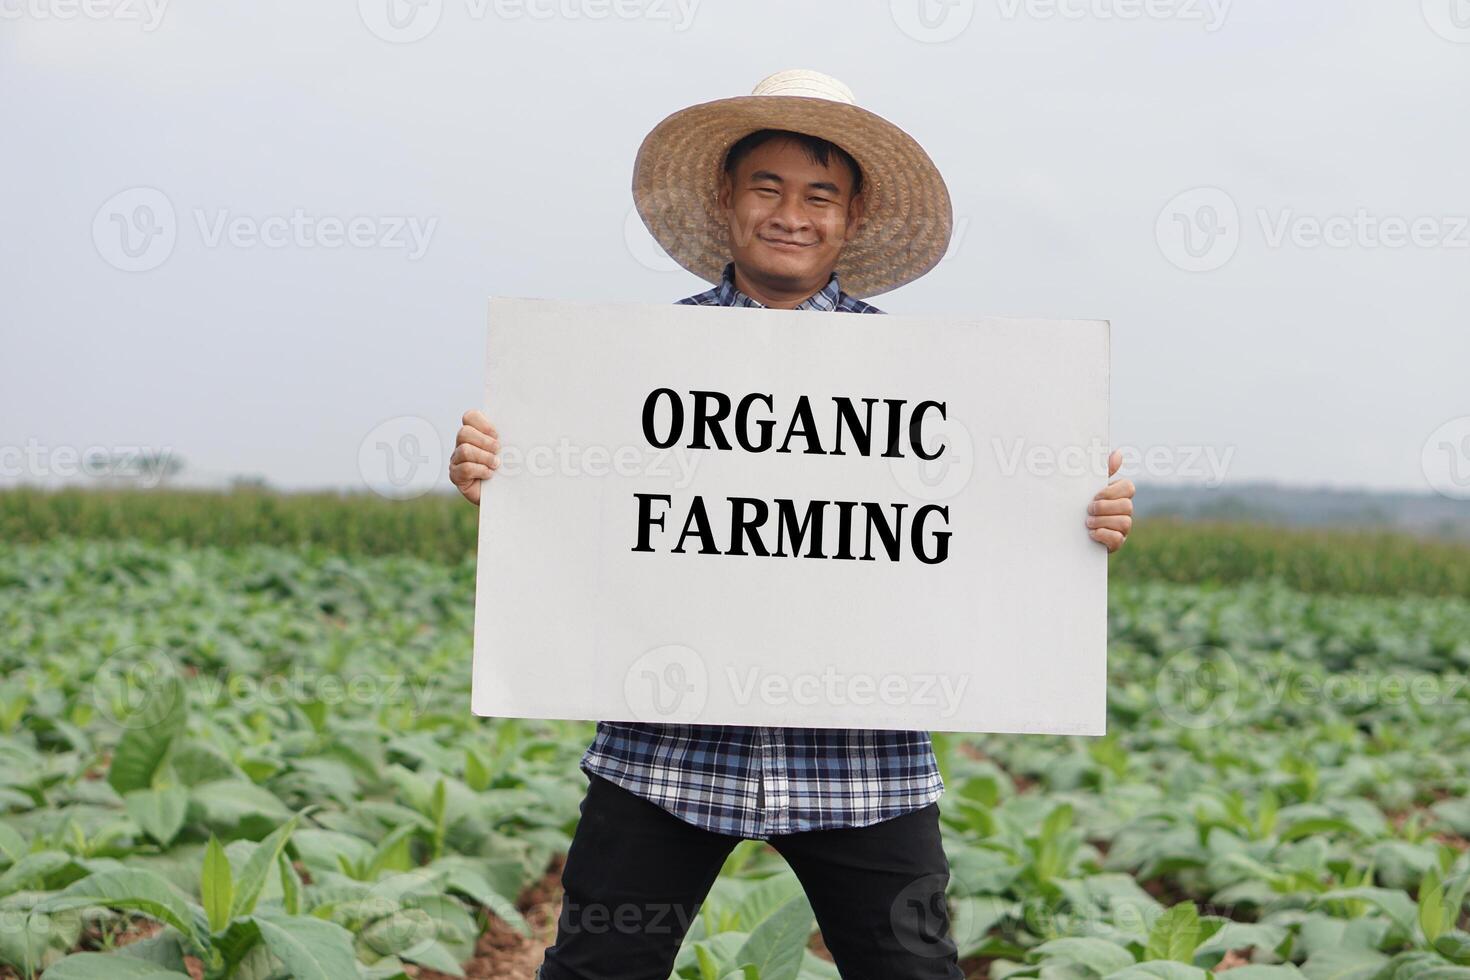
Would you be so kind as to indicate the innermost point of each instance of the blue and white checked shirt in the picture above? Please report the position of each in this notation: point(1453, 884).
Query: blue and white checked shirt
point(757, 782)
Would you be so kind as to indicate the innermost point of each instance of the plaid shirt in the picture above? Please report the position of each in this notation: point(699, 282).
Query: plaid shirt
point(830, 297)
point(758, 782)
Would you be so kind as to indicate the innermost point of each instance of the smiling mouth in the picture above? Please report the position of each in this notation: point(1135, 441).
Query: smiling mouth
point(785, 246)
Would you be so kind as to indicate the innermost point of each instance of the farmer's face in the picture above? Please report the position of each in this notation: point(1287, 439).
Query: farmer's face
point(788, 217)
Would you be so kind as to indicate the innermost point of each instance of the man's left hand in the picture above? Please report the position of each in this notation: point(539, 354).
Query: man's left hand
point(1110, 515)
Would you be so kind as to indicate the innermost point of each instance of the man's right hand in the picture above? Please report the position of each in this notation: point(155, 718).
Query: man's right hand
point(476, 455)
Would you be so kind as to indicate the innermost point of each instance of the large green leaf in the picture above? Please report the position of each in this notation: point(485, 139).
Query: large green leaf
point(311, 948)
point(1397, 905)
point(12, 844)
point(229, 804)
point(258, 868)
point(762, 900)
point(1096, 954)
point(1240, 935)
point(775, 946)
point(1454, 946)
point(159, 811)
point(1421, 965)
point(110, 966)
point(32, 939)
point(33, 870)
point(434, 955)
point(161, 949)
point(474, 886)
point(454, 927)
point(1159, 970)
point(239, 943)
point(217, 885)
point(400, 930)
point(292, 887)
point(1344, 963)
point(1175, 934)
point(133, 889)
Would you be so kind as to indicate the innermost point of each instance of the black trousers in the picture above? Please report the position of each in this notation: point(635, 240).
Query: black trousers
point(636, 875)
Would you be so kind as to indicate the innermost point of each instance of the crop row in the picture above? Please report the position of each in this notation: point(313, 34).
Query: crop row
point(442, 528)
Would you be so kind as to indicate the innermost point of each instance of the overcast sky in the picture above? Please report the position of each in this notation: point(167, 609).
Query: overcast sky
point(1267, 199)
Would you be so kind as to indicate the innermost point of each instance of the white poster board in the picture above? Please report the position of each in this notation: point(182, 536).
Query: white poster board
point(961, 593)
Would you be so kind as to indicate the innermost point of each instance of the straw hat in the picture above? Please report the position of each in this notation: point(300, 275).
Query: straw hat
point(676, 178)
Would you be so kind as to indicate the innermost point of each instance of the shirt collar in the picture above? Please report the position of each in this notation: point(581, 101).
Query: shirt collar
point(824, 299)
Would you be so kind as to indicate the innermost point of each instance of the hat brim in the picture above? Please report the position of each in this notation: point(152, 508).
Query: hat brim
point(908, 216)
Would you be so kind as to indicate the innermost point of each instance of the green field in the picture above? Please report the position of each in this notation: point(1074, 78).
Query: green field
point(235, 741)
point(440, 528)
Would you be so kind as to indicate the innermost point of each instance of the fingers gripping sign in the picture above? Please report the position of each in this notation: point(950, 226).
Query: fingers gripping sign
point(1110, 514)
point(476, 454)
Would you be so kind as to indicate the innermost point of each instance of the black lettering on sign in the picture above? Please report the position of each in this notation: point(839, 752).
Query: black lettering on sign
point(848, 530)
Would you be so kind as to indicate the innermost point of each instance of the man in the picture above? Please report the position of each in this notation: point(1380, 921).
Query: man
point(784, 199)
